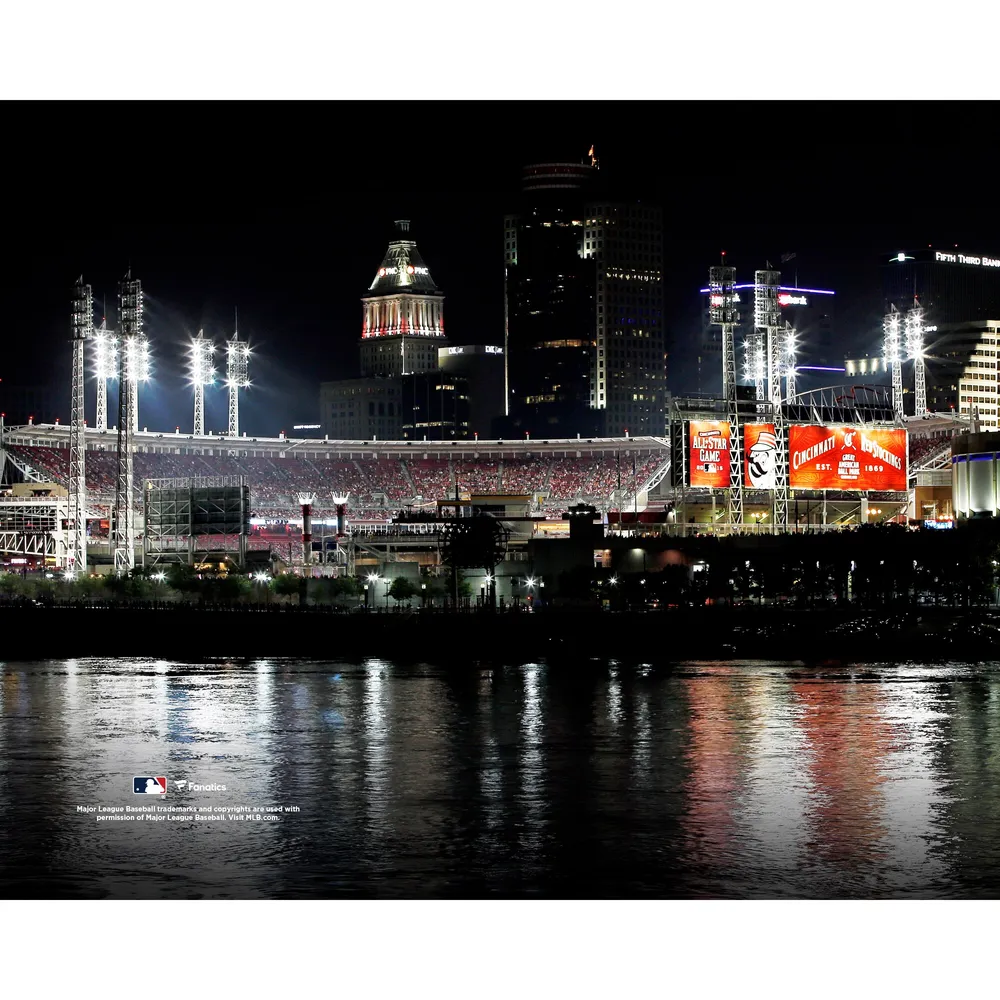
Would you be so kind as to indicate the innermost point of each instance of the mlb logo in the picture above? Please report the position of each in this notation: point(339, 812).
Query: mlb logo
point(149, 786)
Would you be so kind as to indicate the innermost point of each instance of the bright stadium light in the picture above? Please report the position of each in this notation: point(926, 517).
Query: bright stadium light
point(892, 352)
point(105, 369)
point(237, 364)
point(915, 351)
point(137, 359)
point(105, 355)
point(891, 345)
point(914, 334)
point(200, 361)
point(202, 374)
point(237, 377)
point(789, 348)
point(753, 358)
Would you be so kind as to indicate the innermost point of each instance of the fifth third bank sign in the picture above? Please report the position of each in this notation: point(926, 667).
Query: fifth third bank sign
point(846, 458)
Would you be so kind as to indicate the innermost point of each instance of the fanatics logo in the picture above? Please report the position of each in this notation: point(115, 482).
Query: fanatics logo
point(149, 786)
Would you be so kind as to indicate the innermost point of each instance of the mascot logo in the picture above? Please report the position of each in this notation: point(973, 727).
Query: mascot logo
point(761, 461)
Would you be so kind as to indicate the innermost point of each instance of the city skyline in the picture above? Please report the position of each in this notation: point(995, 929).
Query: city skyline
point(297, 274)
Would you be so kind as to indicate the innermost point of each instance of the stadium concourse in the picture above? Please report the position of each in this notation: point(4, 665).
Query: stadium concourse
point(379, 478)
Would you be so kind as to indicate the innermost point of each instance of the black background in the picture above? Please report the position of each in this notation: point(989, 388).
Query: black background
point(284, 211)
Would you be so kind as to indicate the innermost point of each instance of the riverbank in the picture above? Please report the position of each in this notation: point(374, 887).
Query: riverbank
point(813, 635)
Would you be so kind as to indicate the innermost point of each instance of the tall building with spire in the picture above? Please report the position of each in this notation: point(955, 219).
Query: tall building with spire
point(401, 393)
point(403, 325)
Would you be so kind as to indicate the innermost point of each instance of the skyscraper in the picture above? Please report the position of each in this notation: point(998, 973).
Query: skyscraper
point(402, 330)
point(585, 346)
point(549, 307)
point(629, 381)
point(950, 285)
point(403, 323)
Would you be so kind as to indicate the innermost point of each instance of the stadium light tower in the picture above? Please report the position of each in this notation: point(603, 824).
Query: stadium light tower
point(105, 369)
point(754, 361)
point(722, 311)
point(769, 329)
point(130, 324)
point(137, 360)
point(237, 377)
point(915, 350)
point(892, 351)
point(202, 374)
point(788, 361)
point(83, 330)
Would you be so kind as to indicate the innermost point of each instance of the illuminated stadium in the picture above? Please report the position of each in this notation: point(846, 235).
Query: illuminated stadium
point(763, 458)
point(383, 481)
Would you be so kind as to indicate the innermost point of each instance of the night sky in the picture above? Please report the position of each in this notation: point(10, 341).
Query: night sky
point(284, 212)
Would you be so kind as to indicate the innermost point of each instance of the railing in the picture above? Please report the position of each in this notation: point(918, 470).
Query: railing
point(692, 529)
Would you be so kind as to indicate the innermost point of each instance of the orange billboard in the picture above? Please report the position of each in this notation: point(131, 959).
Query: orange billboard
point(760, 456)
point(846, 458)
point(708, 458)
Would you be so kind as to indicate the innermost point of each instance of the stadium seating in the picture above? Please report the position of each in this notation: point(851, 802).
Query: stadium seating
point(923, 447)
point(377, 488)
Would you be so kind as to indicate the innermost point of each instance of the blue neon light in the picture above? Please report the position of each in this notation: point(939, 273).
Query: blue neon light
point(818, 368)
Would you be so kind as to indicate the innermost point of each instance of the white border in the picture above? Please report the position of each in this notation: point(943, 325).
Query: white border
point(520, 49)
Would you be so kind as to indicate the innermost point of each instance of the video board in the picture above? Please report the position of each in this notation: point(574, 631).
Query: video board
point(708, 454)
point(823, 457)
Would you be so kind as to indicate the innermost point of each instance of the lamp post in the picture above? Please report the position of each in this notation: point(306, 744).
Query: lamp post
point(423, 595)
point(387, 585)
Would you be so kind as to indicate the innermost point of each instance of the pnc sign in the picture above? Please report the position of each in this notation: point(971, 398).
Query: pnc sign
point(409, 269)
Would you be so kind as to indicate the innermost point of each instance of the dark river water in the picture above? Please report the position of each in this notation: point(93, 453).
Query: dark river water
point(733, 780)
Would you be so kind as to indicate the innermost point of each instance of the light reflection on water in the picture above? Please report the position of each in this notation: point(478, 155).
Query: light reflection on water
point(709, 779)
